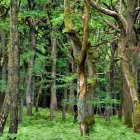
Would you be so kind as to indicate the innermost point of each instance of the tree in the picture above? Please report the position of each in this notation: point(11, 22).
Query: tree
point(128, 45)
point(13, 74)
point(81, 60)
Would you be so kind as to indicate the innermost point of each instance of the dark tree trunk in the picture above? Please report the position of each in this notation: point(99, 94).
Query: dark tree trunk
point(4, 66)
point(65, 97)
point(4, 112)
point(22, 96)
point(111, 89)
point(70, 108)
point(64, 105)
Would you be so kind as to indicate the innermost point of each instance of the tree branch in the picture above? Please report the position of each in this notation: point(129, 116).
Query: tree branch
point(85, 33)
point(69, 29)
point(121, 21)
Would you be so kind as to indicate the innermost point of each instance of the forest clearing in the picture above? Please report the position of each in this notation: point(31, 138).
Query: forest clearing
point(70, 69)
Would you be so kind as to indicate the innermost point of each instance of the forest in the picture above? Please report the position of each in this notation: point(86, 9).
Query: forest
point(69, 69)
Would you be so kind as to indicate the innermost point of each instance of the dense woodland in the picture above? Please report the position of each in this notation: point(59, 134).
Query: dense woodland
point(76, 60)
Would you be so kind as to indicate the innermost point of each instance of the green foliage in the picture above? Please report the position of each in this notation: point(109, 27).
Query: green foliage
point(39, 127)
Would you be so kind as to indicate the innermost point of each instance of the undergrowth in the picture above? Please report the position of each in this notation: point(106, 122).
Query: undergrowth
point(39, 127)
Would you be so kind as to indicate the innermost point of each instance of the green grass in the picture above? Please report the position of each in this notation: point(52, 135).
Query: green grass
point(38, 127)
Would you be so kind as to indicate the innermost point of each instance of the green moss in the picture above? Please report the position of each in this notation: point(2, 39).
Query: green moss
point(89, 120)
point(137, 118)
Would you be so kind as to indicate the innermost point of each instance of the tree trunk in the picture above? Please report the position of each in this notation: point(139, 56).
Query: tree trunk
point(92, 82)
point(13, 68)
point(40, 88)
point(53, 103)
point(4, 112)
point(65, 96)
point(80, 58)
point(82, 105)
point(30, 73)
point(4, 66)
point(109, 110)
point(70, 108)
point(127, 105)
point(64, 105)
point(22, 96)
point(120, 111)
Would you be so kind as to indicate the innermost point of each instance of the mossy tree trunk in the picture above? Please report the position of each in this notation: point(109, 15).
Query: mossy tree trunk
point(80, 58)
point(13, 67)
point(92, 81)
point(128, 45)
point(4, 13)
point(120, 113)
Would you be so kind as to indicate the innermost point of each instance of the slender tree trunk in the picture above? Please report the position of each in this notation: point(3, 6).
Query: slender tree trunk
point(64, 105)
point(4, 61)
point(111, 89)
point(70, 108)
point(30, 73)
point(65, 97)
point(22, 96)
point(40, 88)
point(13, 68)
point(53, 103)
point(120, 111)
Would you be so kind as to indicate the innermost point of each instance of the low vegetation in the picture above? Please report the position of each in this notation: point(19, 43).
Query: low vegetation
point(39, 127)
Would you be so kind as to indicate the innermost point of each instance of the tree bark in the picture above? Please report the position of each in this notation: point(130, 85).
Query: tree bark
point(128, 42)
point(120, 111)
point(22, 95)
point(40, 88)
point(111, 88)
point(81, 59)
point(30, 73)
point(92, 82)
point(70, 108)
point(13, 68)
point(64, 105)
point(4, 61)
point(53, 103)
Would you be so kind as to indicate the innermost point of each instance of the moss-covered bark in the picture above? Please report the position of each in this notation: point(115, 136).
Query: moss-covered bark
point(81, 60)
point(13, 67)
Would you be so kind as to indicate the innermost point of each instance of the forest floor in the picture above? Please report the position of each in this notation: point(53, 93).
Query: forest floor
point(39, 127)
